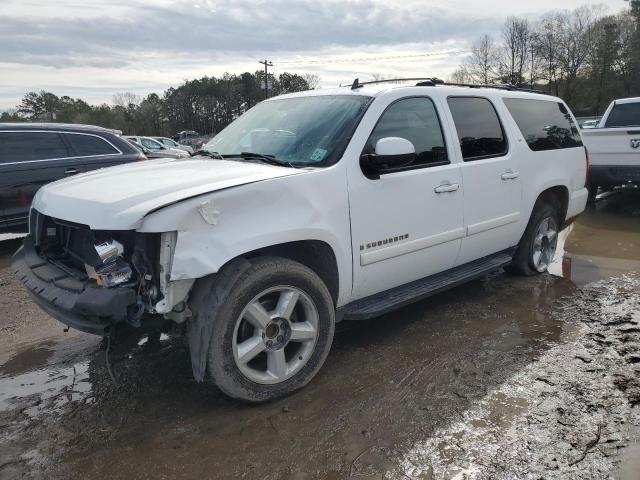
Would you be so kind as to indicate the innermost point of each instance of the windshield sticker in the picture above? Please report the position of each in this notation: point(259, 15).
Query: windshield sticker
point(318, 154)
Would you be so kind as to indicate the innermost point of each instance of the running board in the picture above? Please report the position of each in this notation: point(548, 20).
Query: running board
point(397, 297)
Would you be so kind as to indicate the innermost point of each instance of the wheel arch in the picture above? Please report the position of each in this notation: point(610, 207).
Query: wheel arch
point(558, 197)
point(315, 254)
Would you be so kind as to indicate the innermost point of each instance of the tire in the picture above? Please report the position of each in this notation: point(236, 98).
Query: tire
point(524, 260)
point(274, 284)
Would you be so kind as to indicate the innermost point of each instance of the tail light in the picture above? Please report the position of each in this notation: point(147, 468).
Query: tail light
point(586, 175)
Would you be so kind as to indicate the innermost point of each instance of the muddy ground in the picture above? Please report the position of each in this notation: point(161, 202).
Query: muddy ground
point(504, 377)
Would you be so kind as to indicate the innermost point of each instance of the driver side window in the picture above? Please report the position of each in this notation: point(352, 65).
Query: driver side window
point(414, 119)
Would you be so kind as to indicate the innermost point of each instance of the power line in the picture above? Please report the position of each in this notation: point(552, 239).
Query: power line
point(367, 59)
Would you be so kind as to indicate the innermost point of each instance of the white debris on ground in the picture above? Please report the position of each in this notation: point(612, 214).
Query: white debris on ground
point(572, 413)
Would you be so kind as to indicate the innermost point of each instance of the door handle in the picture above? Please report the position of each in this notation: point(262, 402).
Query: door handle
point(446, 187)
point(71, 171)
point(509, 175)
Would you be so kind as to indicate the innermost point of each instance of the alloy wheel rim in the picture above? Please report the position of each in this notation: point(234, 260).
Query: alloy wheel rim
point(544, 244)
point(275, 335)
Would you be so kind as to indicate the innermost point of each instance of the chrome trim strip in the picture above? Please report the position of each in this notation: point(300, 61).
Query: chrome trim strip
point(493, 223)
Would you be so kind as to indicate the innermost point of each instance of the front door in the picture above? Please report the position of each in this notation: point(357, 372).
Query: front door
point(492, 183)
point(407, 224)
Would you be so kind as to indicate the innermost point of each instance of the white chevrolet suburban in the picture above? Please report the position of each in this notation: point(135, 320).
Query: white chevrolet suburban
point(309, 209)
point(614, 147)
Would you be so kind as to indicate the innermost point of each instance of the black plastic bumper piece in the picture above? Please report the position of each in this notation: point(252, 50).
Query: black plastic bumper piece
point(78, 304)
point(611, 176)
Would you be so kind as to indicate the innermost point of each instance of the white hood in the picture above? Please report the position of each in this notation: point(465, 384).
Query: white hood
point(118, 198)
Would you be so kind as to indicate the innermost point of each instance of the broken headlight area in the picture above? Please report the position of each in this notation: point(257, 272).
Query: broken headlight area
point(110, 258)
point(112, 269)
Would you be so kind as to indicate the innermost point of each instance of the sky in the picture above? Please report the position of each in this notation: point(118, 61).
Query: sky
point(93, 49)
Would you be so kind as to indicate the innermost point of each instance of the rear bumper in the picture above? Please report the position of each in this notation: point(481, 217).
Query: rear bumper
point(611, 176)
point(78, 304)
point(577, 203)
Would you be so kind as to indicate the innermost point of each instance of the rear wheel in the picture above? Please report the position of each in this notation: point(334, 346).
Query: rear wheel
point(273, 331)
point(538, 244)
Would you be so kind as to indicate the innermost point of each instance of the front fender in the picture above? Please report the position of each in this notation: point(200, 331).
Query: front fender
point(218, 227)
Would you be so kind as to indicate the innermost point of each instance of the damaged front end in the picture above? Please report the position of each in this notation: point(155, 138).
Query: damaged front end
point(91, 280)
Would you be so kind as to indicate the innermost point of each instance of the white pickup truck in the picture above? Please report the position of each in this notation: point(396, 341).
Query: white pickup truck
point(311, 208)
point(614, 147)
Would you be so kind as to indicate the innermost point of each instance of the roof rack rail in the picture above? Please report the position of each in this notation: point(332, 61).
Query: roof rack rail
point(498, 86)
point(433, 81)
point(423, 82)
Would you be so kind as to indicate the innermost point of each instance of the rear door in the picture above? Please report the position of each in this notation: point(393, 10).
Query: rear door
point(491, 177)
point(29, 160)
point(94, 151)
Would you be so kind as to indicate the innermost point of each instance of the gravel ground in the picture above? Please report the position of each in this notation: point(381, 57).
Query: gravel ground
point(569, 414)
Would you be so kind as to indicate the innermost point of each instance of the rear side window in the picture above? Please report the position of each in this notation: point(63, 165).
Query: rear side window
point(624, 115)
point(545, 125)
point(30, 146)
point(416, 120)
point(88, 145)
point(479, 129)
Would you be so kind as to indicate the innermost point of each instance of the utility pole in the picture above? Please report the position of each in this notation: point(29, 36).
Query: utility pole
point(266, 64)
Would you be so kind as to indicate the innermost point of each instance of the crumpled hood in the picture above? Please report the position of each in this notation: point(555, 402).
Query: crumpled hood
point(117, 198)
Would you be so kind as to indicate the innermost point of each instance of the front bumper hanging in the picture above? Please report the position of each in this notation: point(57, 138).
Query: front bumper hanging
point(79, 304)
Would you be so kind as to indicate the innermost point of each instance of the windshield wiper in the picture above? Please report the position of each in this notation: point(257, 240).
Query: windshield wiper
point(270, 159)
point(208, 153)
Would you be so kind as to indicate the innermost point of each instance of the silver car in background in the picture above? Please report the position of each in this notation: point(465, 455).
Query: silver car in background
point(155, 149)
point(170, 143)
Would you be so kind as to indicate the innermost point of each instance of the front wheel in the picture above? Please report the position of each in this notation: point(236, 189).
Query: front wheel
point(538, 244)
point(273, 331)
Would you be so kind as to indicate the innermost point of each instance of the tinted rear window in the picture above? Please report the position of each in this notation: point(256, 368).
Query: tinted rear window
point(28, 146)
point(479, 129)
point(87, 145)
point(624, 115)
point(545, 125)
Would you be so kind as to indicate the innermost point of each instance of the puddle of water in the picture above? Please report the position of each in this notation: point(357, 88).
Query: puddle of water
point(28, 359)
point(604, 242)
point(45, 389)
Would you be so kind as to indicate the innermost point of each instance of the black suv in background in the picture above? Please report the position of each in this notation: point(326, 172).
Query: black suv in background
point(32, 154)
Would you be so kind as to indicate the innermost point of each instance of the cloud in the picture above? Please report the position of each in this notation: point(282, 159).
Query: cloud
point(240, 26)
point(97, 48)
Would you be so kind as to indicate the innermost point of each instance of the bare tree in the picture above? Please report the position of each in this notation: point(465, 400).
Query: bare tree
point(482, 65)
point(516, 35)
point(313, 80)
point(126, 99)
point(548, 39)
point(460, 75)
point(577, 39)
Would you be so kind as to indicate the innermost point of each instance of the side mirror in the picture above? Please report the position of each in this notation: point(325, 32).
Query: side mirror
point(390, 153)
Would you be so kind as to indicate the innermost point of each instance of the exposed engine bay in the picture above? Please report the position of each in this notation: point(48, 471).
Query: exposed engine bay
point(107, 259)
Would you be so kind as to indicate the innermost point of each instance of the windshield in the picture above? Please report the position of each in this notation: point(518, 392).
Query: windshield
point(624, 115)
point(302, 131)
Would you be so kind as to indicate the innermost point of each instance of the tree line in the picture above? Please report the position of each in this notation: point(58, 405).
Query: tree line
point(205, 105)
point(583, 56)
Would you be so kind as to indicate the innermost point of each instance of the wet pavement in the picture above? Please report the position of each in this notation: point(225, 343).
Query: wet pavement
point(504, 377)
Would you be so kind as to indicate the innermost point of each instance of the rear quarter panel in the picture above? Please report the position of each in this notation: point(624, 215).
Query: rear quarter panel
point(542, 170)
